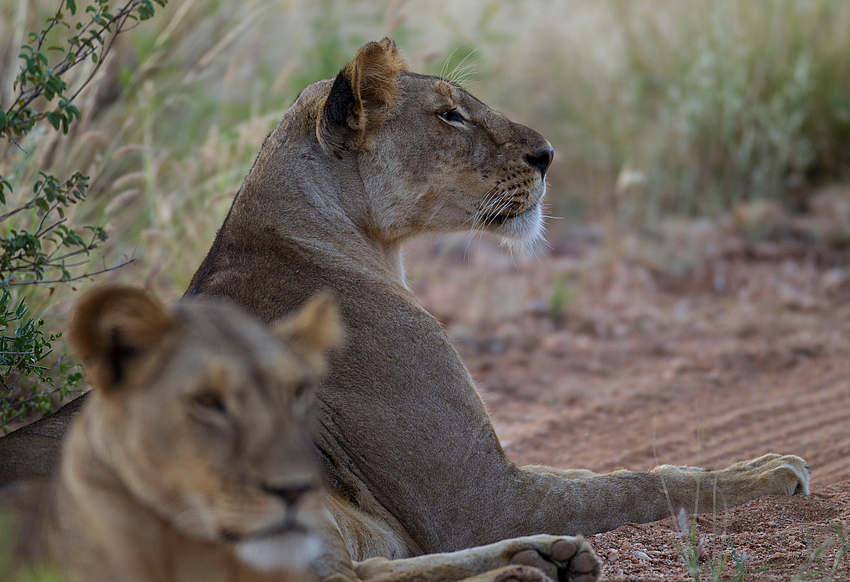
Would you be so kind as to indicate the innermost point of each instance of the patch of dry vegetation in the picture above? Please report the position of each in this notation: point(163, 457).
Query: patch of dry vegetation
point(687, 108)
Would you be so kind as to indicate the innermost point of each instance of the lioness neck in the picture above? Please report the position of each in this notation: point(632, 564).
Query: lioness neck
point(297, 191)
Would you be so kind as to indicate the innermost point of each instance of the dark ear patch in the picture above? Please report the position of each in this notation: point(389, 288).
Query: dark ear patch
point(361, 96)
point(339, 100)
point(112, 328)
point(119, 353)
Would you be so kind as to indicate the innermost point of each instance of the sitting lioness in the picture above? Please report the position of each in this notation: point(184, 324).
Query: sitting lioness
point(358, 165)
point(192, 459)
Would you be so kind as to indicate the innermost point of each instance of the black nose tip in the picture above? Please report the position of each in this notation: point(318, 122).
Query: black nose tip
point(541, 160)
point(292, 493)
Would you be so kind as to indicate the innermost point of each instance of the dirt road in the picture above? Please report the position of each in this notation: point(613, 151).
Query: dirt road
point(591, 358)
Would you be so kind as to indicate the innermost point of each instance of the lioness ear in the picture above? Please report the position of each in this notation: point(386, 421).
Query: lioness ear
point(362, 93)
point(312, 331)
point(113, 327)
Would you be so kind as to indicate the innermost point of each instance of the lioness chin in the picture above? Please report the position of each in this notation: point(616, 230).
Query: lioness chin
point(359, 164)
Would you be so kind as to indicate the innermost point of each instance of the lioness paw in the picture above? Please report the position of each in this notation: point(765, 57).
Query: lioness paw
point(790, 473)
point(522, 574)
point(776, 474)
point(560, 558)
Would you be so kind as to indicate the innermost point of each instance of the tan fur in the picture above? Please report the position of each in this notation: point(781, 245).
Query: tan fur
point(191, 460)
point(403, 436)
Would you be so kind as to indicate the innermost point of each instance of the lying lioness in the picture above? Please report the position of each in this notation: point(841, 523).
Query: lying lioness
point(192, 459)
point(359, 164)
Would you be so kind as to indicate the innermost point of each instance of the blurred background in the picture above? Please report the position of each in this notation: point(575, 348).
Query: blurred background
point(680, 128)
point(655, 108)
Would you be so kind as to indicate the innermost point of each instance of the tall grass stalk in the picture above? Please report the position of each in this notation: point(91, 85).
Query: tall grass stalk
point(706, 102)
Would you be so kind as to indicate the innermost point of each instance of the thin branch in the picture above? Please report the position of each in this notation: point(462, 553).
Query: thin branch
point(50, 209)
point(53, 22)
point(83, 52)
point(78, 277)
point(40, 234)
point(125, 12)
point(73, 253)
point(11, 213)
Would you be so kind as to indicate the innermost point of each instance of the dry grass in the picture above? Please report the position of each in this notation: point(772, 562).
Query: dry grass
point(691, 105)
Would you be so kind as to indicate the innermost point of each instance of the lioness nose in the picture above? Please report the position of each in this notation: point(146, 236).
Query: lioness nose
point(541, 160)
point(292, 493)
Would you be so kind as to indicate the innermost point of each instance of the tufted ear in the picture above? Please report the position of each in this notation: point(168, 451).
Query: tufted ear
point(112, 328)
point(312, 331)
point(362, 93)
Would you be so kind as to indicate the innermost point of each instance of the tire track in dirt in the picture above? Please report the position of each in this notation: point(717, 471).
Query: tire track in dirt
point(710, 415)
point(814, 424)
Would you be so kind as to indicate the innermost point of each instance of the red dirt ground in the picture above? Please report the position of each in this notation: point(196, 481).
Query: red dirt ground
point(591, 356)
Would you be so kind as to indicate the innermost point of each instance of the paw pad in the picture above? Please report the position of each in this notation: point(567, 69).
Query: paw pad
point(567, 560)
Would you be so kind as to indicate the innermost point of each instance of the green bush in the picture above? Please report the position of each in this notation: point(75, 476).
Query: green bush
point(37, 247)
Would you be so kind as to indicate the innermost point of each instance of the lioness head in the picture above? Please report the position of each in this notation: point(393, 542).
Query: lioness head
point(427, 155)
point(201, 413)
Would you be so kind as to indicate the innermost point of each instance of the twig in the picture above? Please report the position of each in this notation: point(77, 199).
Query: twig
point(69, 280)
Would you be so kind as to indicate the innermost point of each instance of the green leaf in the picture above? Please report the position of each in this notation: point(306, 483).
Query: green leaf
point(72, 6)
point(54, 120)
point(145, 9)
point(4, 186)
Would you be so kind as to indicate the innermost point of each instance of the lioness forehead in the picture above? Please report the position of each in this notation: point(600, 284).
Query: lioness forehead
point(445, 87)
point(222, 333)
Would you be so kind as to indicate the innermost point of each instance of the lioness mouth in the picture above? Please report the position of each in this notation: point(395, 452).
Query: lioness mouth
point(499, 219)
point(289, 525)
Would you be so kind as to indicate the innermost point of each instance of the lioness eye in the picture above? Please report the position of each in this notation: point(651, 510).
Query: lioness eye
point(210, 400)
point(302, 388)
point(452, 116)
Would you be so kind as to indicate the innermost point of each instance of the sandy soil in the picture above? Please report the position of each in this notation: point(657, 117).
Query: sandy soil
point(592, 355)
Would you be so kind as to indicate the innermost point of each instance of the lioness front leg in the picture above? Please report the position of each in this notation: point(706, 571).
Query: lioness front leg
point(590, 503)
point(769, 474)
point(559, 558)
